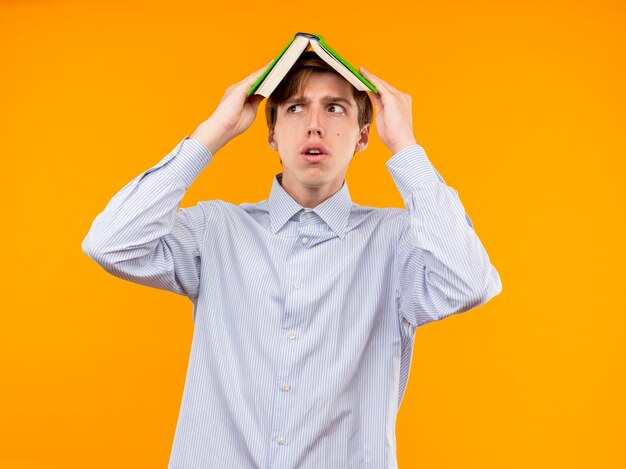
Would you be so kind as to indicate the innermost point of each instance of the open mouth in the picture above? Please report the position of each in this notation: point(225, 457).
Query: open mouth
point(314, 153)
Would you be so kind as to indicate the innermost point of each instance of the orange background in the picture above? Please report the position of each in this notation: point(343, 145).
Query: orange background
point(519, 105)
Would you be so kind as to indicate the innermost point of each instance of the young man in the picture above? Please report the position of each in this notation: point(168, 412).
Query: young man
point(305, 304)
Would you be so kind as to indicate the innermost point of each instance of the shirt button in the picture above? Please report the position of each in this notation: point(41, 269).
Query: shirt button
point(286, 387)
point(305, 240)
point(291, 336)
point(308, 215)
point(280, 440)
point(296, 286)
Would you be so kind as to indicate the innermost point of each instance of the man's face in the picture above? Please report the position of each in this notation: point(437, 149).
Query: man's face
point(316, 134)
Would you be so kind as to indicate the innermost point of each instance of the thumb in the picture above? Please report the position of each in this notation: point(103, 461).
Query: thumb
point(254, 100)
point(378, 102)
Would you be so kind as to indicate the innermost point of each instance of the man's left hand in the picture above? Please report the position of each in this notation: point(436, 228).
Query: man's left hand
point(394, 118)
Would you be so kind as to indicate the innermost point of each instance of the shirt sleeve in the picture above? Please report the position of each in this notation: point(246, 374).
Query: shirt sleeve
point(441, 266)
point(141, 237)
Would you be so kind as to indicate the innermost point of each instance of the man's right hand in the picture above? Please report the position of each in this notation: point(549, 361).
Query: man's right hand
point(235, 112)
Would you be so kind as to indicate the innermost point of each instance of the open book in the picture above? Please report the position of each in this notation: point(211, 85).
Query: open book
point(279, 67)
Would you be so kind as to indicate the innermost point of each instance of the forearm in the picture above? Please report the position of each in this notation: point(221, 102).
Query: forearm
point(440, 248)
point(211, 135)
point(142, 213)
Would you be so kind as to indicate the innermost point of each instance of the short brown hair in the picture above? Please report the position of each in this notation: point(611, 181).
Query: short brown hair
point(296, 78)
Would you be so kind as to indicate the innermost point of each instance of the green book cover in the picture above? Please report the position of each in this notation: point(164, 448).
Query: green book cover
point(269, 68)
point(321, 41)
point(332, 52)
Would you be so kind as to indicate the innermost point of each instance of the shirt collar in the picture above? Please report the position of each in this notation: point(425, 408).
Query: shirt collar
point(335, 211)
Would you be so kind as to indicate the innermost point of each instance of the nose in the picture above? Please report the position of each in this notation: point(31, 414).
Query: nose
point(314, 126)
point(310, 130)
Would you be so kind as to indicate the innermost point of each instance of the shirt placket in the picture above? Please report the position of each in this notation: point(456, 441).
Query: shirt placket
point(288, 366)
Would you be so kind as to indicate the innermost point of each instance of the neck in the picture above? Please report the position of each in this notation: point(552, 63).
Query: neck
point(309, 196)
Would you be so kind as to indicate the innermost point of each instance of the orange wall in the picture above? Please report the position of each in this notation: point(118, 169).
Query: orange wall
point(519, 105)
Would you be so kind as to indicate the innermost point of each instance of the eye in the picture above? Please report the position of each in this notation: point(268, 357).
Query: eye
point(336, 108)
point(294, 108)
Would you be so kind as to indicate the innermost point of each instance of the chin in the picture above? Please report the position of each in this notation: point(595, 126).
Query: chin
point(313, 183)
point(313, 173)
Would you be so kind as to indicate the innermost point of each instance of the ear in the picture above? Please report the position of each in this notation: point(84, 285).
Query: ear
point(364, 139)
point(271, 139)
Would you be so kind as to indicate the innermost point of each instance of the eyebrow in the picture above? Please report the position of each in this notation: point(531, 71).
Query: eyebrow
point(324, 99)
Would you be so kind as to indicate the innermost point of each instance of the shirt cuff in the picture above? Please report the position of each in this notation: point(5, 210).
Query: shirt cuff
point(410, 168)
point(188, 159)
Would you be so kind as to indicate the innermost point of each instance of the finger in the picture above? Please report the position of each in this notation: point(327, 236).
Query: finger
point(252, 78)
point(376, 81)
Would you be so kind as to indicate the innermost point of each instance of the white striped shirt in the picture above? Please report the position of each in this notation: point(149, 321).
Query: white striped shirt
point(304, 319)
